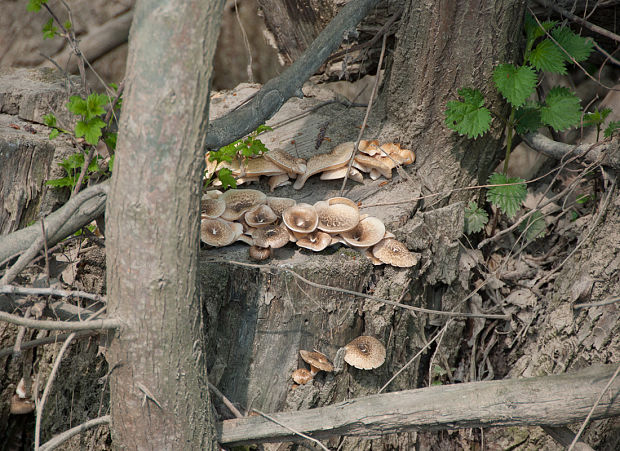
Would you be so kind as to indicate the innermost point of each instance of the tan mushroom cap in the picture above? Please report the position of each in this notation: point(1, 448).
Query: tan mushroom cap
point(375, 261)
point(301, 218)
point(238, 201)
point(315, 241)
point(273, 236)
point(367, 233)
point(374, 163)
point(365, 353)
point(339, 173)
point(212, 207)
point(339, 156)
point(317, 361)
point(217, 232)
point(279, 204)
point(302, 376)
point(275, 181)
point(369, 147)
point(255, 167)
point(259, 253)
point(395, 253)
point(260, 216)
point(286, 161)
point(336, 218)
point(342, 200)
point(212, 194)
point(20, 406)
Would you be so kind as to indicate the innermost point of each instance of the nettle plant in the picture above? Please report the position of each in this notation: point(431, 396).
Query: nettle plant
point(549, 48)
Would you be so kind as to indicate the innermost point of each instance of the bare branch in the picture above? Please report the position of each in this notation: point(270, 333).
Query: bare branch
point(12, 289)
point(553, 400)
point(48, 340)
point(63, 437)
point(108, 323)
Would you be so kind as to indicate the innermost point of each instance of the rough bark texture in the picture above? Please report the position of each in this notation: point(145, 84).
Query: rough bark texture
point(159, 398)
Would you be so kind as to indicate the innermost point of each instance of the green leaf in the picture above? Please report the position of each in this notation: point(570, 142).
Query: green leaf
point(67, 25)
point(49, 120)
point(49, 30)
point(469, 117)
point(262, 129)
point(534, 226)
point(576, 46)
point(90, 130)
point(111, 163)
point(475, 218)
point(94, 105)
point(61, 183)
point(54, 133)
point(77, 106)
point(73, 161)
point(225, 176)
point(527, 118)
point(509, 196)
point(561, 109)
point(548, 57)
point(612, 127)
point(35, 5)
point(516, 84)
point(596, 117)
point(94, 164)
point(110, 140)
point(533, 31)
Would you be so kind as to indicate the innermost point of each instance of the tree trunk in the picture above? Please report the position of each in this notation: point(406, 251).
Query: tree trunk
point(159, 396)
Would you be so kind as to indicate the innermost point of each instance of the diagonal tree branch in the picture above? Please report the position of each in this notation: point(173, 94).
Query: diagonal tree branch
point(549, 400)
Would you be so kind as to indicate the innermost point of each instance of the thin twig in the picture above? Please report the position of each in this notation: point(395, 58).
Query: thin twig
point(59, 439)
point(598, 400)
point(108, 323)
point(291, 429)
point(363, 295)
point(49, 340)
point(246, 43)
point(13, 289)
point(47, 260)
point(373, 94)
point(225, 400)
point(17, 347)
point(84, 169)
point(609, 300)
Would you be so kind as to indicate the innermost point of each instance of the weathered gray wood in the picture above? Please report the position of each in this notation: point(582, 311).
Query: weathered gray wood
point(554, 400)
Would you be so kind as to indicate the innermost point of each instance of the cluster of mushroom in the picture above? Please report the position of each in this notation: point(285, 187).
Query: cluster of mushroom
point(375, 159)
point(365, 353)
point(268, 223)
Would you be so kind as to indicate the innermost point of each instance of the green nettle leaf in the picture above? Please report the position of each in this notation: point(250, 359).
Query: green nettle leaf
point(49, 120)
point(49, 30)
point(596, 117)
point(509, 196)
point(475, 218)
point(516, 84)
point(548, 57)
point(90, 130)
point(61, 183)
point(533, 31)
point(579, 48)
point(561, 109)
point(67, 24)
point(35, 5)
point(54, 133)
point(225, 176)
point(534, 226)
point(94, 164)
point(611, 128)
point(111, 163)
point(73, 161)
point(469, 117)
point(527, 118)
point(110, 140)
point(77, 105)
point(262, 129)
point(94, 105)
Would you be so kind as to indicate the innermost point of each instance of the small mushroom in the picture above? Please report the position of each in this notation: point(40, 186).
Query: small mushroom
point(369, 147)
point(339, 173)
point(273, 236)
point(317, 361)
point(286, 161)
point(395, 253)
point(336, 218)
point(365, 353)
point(301, 218)
point(276, 181)
point(20, 406)
point(238, 201)
point(279, 204)
point(342, 200)
point(217, 232)
point(260, 216)
point(375, 261)
point(315, 241)
point(374, 163)
point(338, 157)
point(260, 253)
point(367, 233)
point(212, 207)
point(255, 167)
point(302, 376)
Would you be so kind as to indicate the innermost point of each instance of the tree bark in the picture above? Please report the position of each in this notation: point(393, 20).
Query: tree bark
point(159, 396)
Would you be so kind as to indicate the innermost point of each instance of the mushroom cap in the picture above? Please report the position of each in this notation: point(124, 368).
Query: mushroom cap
point(302, 218)
point(395, 253)
point(367, 233)
point(339, 173)
point(212, 207)
point(21, 406)
point(317, 360)
point(342, 200)
point(286, 161)
point(273, 236)
point(276, 181)
point(217, 232)
point(365, 353)
point(336, 218)
point(212, 194)
point(279, 204)
point(259, 253)
point(260, 216)
point(337, 157)
point(238, 201)
point(257, 166)
point(374, 163)
point(302, 376)
point(369, 147)
point(375, 261)
point(315, 241)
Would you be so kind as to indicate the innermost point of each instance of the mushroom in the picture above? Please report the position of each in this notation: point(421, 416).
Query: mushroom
point(367, 233)
point(365, 353)
point(336, 218)
point(338, 157)
point(273, 236)
point(373, 163)
point(317, 361)
point(315, 241)
point(238, 201)
point(260, 253)
point(255, 167)
point(302, 376)
point(342, 200)
point(279, 204)
point(212, 207)
point(395, 253)
point(276, 181)
point(369, 147)
point(375, 261)
point(21, 406)
point(260, 216)
point(286, 161)
point(212, 194)
point(217, 232)
point(301, 218)
point(339, 173)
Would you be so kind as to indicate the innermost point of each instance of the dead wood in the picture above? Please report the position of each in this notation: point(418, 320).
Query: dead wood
point(549, 400)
